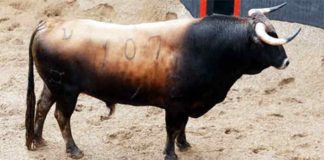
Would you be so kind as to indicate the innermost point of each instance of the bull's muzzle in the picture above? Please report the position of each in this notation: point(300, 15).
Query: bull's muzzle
point(284, 64)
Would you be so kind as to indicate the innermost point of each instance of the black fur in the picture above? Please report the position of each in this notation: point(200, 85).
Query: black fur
point(217, 51)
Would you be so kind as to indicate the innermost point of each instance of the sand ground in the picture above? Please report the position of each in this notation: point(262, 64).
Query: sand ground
point(273, 115)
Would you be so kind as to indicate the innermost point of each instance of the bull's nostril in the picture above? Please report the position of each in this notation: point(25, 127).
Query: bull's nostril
point(284, 64)
point(287, 63)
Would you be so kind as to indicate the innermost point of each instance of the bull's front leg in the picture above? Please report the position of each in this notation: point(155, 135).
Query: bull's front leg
point(175, 122)
point(182, 142)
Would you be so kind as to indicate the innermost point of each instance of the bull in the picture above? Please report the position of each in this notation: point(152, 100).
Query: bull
point(184, 66)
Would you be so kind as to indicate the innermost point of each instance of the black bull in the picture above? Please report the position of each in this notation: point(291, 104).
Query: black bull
point(183, 66)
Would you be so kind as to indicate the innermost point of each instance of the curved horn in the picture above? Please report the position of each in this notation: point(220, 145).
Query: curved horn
point(265, 10)
point(260, 30)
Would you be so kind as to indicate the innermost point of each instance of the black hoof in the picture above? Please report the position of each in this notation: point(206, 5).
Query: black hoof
point(40, 142)
point(183, 146)
point(170, 157)
point(74, 153)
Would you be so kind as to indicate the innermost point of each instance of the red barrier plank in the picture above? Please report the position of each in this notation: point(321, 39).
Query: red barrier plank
point(203, 8)
point(237, 7)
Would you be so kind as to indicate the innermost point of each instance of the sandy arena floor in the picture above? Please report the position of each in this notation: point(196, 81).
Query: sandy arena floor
point(273, 115)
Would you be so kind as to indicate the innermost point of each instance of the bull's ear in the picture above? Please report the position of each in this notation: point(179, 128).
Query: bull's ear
point(256, 40)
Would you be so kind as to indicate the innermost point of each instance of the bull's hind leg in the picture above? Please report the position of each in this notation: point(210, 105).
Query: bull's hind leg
point(65, 105)
point(43, 106)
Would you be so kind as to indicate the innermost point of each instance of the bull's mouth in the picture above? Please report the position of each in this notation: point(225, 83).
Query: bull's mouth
point(283, 65)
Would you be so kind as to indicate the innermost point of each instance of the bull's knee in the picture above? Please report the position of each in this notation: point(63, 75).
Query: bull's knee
point(41, 111)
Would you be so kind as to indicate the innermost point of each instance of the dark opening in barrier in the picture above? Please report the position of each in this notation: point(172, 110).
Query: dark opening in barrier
point(220, 7)
point(302, 11)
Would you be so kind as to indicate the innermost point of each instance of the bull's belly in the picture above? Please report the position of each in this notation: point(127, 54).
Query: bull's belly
point(108, 89)
point(123, 91)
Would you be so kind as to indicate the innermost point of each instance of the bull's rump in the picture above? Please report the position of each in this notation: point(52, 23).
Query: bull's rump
point(110, 61)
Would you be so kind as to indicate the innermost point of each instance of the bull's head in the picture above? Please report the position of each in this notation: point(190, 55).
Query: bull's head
point(266, 37)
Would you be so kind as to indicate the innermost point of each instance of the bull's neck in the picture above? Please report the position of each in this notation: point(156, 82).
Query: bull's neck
point(222, 42)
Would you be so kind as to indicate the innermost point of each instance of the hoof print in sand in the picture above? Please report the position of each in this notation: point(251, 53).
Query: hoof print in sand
point(259, 149)
point(231, 130)
point(13, 26)
point(286, 81)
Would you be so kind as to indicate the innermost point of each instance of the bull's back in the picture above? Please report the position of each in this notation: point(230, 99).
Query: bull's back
point(128, 63)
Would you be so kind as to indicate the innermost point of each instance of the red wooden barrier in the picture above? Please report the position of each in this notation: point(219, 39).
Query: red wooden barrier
point(203, 8)
point(237, 7)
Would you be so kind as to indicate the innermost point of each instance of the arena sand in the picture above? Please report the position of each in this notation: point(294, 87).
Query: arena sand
point(273, 115)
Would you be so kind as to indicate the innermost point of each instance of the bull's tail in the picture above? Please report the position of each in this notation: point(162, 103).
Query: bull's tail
point(30, 99)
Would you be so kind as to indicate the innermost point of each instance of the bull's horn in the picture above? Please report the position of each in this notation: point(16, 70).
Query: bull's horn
point(265, 10)
point(260, 30)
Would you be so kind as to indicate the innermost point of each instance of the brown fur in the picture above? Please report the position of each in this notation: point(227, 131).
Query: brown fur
point(141, 56)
